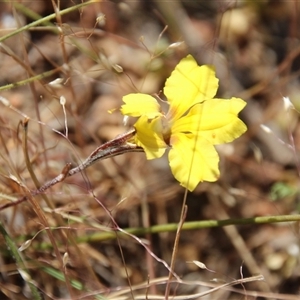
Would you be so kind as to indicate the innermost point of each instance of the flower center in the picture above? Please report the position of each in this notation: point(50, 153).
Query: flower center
point(166, 130)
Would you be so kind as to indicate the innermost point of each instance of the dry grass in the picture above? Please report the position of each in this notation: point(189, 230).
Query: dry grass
point(86, 237)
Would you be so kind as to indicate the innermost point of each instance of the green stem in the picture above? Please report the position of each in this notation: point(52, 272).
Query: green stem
point(110, 235)
point(43, 20)
point(15, 254)
point(31, 79)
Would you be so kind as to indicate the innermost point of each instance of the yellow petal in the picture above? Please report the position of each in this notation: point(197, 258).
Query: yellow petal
point(188, 85)
point(193, 161)
point(216, 120)
point(140, 104)
point(149, 137)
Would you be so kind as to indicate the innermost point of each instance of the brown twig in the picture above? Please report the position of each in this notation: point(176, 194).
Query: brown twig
point(117, 146)
point(176, 243)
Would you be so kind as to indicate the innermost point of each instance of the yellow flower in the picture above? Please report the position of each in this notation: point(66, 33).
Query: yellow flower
point(194, 123)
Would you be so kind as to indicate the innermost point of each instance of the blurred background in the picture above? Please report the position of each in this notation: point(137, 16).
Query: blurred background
point(92, 56)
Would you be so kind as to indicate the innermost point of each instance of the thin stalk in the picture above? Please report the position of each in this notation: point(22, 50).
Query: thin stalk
point(38, 209)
